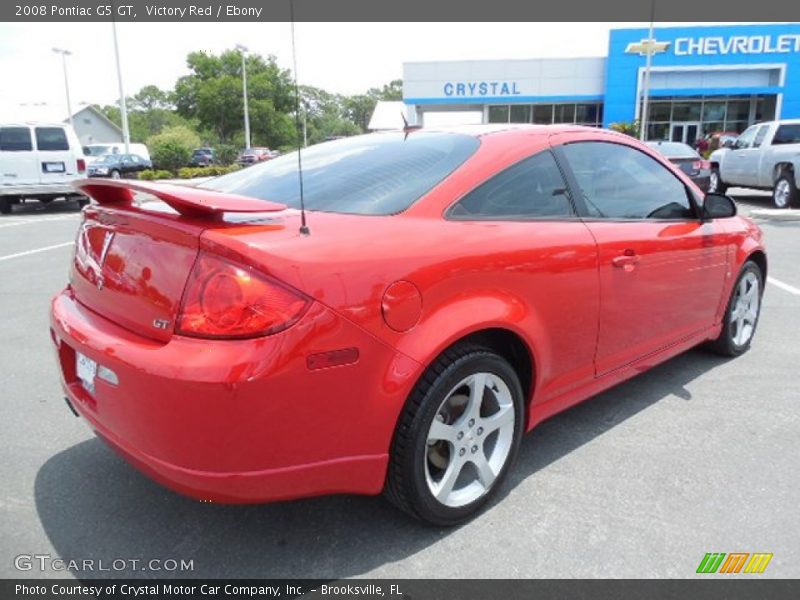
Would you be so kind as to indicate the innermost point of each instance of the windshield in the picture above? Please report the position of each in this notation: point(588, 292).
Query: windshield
point(674, 149)
point(108, 159)
point(374, 174)
point(97, 150)
point(201, 152)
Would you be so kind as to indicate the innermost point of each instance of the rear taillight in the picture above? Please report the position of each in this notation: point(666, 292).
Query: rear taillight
point(81, 165)
point(701, 165)
point(226, 300)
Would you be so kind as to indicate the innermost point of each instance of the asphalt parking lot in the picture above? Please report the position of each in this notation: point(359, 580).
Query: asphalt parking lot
point(699, 455)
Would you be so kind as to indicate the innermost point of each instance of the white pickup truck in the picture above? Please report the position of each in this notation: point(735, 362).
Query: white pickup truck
point(766, 157)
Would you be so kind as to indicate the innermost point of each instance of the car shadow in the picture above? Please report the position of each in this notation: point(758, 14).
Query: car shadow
point(58, 206)
point(92, 505)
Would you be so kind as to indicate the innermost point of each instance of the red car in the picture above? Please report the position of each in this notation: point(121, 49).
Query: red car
point(455, 288)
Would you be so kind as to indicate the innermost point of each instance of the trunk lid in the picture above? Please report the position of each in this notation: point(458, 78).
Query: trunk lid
point(131, 262)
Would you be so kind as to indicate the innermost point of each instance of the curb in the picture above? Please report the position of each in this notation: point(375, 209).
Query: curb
point(776, 214)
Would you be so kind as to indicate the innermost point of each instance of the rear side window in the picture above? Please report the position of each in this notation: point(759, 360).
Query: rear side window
point(762, 133)
point(531, 189)
point(620, 182)
point(787, 134)
point(15, 139)
point(51, 138)
point(375, 174)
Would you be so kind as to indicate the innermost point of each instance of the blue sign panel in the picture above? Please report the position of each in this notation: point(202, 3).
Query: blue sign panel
point(704, 61)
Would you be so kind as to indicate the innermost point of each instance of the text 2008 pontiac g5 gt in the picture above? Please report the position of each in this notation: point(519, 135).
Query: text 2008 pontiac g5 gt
point(456, 288)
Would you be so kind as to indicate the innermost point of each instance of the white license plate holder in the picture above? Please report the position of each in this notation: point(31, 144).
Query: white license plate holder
point(86, 370)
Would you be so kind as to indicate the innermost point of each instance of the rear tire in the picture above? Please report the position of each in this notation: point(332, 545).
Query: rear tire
point(742, 313)
point(715, 183)
point(457, 436)
point(784, 194)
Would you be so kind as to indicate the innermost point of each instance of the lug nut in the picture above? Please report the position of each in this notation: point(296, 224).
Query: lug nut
point(471, 422)
point(474, 449)
point(480, 430)
point(460, 435)
point(462, 452)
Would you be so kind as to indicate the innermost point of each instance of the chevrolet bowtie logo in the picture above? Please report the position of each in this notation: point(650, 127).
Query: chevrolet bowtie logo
point(642, 46)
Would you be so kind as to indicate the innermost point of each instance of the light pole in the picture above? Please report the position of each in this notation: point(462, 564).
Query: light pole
point(123, 107)
point(242, 49)
point(649, 46)
point(64, 54)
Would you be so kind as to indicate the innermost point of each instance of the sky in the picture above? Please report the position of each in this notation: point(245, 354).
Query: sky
point(345, 58)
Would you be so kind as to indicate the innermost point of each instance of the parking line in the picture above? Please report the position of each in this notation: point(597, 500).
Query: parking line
point(26, 253)
point(28, 221)
point(784, 286)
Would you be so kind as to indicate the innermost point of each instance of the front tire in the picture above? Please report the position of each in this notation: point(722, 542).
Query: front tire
point(715, 183)
point(784, 194)
point(742, 313)
point(115, 174)
point(457, 436)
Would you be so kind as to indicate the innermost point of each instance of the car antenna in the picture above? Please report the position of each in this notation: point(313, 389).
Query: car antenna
point(406, 127)
point(304, 230)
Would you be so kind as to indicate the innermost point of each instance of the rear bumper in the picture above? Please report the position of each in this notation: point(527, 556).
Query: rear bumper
point(42, 189)
point(240, 421)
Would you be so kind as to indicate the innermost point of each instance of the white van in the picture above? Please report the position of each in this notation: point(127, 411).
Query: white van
point(39, 161)
point(93, 152)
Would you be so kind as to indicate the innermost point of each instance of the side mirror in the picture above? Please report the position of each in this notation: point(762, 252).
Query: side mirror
point(718, 206)
point(728, 144)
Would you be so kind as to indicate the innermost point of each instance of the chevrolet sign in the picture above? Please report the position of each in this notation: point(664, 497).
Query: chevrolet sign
point(738, 44)
point(641, 47)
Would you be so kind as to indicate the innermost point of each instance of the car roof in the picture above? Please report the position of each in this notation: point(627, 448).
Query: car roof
point(491, 129)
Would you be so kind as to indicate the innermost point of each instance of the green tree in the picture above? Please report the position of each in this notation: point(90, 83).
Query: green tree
point(212, 94)
point(172, 148)
point(149, 112)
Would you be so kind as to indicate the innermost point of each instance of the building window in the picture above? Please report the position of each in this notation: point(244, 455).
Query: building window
point(546, 114)
point(714, 114)
point(521, 113)
point(543, 114)
point(498, 114)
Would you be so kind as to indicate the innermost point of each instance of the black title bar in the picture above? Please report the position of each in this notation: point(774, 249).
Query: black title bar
point(385, 10)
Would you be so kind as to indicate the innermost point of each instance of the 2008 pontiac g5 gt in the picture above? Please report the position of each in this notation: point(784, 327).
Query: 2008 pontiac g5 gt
point(456, 288)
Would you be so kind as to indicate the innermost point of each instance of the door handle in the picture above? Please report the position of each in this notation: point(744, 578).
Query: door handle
point(627, 261)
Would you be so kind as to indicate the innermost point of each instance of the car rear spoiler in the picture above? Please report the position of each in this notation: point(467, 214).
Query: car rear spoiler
point(187, 200)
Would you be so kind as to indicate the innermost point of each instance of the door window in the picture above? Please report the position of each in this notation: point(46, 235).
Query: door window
point(746, 139)
point(530, 189)
point(15, 139)
point(620, 182)
point(51, 138)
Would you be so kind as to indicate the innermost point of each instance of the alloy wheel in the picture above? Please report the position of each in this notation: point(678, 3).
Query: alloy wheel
point(782, 194)
point(470, 439)
point(746, 303)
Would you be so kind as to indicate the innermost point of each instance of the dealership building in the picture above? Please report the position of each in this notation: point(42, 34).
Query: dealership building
point(702, 80)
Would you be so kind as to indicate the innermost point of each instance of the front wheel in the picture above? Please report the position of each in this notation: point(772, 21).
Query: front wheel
point(115, 174)
point(715, 183)
point(741, 316)
point(784, 194)
point(457, 436)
